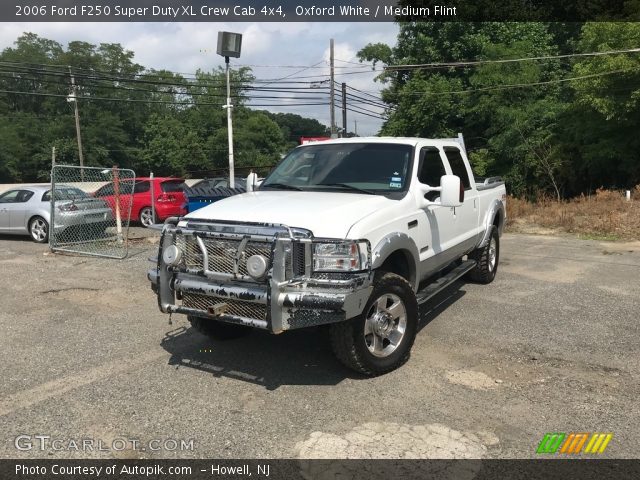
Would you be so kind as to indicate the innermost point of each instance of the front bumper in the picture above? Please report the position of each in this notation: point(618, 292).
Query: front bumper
point(280, 302)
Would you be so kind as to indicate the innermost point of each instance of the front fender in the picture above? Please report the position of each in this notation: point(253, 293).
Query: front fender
point(398, 242)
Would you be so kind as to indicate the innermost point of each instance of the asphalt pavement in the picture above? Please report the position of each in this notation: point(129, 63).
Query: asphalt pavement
point(550, 346)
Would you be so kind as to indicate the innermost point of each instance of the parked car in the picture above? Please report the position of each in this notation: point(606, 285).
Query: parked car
point(27, 211)
point(217, 182)
point(351, 233)
point(169, 199)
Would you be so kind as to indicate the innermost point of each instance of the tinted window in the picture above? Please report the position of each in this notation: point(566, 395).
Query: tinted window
point(65, 193)
point(12, 196)
point(457, 165)
point(172, 186)
point(141, 187)
point(374, 166)
point(105, 191)
point(431, 167)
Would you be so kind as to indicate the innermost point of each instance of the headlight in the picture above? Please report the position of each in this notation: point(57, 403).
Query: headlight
point(171, 255)
point(340, 257)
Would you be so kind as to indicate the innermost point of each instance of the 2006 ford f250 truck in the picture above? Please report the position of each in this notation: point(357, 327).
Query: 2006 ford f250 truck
point(353, 233)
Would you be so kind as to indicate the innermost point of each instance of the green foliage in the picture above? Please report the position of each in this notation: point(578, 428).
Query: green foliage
point(151, 124)
point(519, 121)
point(294, 126)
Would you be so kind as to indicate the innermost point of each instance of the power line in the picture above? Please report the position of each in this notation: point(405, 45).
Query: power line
point(505, 60)
point(366, 114)
point(364, 109)
point(521, 85)
point(293, 92)
point(166, 102)
point(196, 82)
point(361, 64)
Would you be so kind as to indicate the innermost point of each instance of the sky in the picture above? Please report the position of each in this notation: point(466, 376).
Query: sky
point(274, 50)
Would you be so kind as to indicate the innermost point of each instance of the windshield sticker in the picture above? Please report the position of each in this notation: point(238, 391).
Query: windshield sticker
point(396, 179)
point(395, 185)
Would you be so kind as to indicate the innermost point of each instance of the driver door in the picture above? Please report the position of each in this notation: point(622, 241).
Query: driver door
point(436, 227)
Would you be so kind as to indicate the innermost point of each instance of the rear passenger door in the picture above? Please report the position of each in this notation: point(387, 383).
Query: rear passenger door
point(465, 217)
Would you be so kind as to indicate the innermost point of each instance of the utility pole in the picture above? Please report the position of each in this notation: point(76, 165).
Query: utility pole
point(332, 109)
point(228, 106)
point(344, 109)
point(75, 103)
point(355, 124)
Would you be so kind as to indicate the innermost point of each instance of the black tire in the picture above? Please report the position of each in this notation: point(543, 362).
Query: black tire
point(218, 330)
point(39, 230)
point(352, 346)
point(486, 269)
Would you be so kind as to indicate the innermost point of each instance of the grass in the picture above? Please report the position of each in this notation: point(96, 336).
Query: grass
point(606, 215)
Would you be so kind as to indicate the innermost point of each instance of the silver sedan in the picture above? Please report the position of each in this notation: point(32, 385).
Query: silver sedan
point(27, 211)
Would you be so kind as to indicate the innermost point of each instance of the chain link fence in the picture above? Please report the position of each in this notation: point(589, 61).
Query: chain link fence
point(90, 210)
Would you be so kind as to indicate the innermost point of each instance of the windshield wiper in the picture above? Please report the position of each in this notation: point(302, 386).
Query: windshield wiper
point(283, 186)
point(346, 186)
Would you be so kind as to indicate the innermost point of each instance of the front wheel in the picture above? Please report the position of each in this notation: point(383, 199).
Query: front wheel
point(486, 259)
point(379, 340)
point(39, 229)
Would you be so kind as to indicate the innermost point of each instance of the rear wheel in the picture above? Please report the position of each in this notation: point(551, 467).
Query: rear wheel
point(218, 330)
point(487, 259)
point(39, 229)
point(146, 217)
point(379, 340)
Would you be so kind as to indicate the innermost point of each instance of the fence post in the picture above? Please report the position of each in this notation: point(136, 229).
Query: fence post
point(628, 195)
point(153, 199)
point(116, 194)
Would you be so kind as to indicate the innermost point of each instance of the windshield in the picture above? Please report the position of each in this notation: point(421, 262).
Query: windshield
point(370, 167)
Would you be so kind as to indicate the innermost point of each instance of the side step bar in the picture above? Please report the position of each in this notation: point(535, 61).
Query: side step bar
point(443, 282)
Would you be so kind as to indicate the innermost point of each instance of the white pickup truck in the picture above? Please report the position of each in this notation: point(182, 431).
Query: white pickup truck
point(351, 233)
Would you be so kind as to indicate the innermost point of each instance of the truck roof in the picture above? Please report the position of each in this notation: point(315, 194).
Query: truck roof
point(398, 140)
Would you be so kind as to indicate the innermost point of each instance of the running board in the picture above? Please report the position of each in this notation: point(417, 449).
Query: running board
point(443, 282)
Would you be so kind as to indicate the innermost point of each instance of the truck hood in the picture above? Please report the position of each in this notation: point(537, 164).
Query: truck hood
point(326, 214)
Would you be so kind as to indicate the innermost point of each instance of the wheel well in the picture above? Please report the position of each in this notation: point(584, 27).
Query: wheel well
point(35, 216)
point(399, 263)
point(498, 220)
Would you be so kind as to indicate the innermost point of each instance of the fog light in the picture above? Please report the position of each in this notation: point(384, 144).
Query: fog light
point(256, 266)
point(172, 255)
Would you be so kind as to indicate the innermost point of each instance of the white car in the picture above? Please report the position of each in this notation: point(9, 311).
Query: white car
point(26, 210)
point(354, 233)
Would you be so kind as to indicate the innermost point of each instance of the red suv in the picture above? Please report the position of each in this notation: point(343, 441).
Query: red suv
point(168, 193)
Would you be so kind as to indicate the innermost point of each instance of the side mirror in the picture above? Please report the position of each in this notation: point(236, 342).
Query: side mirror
point(451, 191)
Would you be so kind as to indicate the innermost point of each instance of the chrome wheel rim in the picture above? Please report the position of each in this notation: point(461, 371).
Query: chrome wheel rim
point(385, 325)
point(145, 217)
point(39, 229)
point(493, 252)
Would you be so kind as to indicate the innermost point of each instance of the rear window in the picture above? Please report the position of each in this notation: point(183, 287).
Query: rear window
point(65, 193)
point(172, 186)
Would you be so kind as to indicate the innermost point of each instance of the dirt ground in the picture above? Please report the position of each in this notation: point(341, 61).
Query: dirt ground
point(550, 346)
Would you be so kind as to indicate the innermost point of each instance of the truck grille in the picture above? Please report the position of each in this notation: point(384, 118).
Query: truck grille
point(221, 253)
point(237, 308)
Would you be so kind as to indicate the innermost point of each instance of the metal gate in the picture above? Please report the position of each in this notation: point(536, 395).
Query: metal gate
point(90, 210)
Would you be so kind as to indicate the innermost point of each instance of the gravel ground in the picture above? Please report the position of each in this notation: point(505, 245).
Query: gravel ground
point(550, 346)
